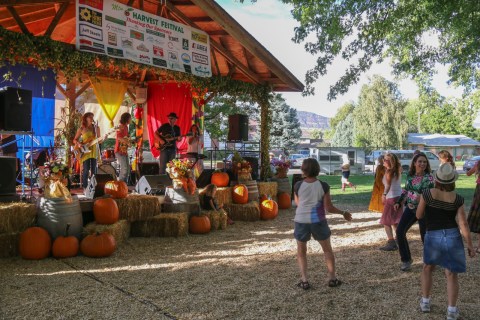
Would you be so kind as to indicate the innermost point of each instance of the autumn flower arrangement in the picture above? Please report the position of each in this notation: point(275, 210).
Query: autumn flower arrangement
point(54, 175)
point(281, 167)
point(179, 168)
point(55, 170)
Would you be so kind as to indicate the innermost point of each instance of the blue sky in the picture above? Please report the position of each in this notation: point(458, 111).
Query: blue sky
point(270, 22)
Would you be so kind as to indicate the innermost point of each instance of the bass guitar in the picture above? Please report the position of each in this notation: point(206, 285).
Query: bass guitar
point(131, 142)
point(168, 141)
point(80, 150)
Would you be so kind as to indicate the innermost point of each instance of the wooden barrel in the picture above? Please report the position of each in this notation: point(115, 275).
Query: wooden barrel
point(283, 185)
point(177, 200)
point(54, 214)
point(252, 190)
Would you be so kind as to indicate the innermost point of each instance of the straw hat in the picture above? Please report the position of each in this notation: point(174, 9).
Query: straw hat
point(446, 174)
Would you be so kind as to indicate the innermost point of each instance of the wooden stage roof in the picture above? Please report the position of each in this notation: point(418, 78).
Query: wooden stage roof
point(235, 52)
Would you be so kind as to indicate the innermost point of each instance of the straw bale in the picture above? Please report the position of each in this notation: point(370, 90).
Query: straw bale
point(138, 207)
point(244, 212)
point(9, 244)
point(268, 188)
point(162, 225)
point(16, 216)
point(218, 219)
point(120, 230)
point(223, 195)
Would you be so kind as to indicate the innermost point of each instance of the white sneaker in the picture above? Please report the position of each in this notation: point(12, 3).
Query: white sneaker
point(424, 306)
point(453, 315)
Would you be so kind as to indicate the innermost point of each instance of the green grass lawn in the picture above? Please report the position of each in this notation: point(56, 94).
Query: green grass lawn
point(465, 186)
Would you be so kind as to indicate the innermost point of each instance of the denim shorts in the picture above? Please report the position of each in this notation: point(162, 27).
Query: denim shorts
point(445, 248)
point(319, 230)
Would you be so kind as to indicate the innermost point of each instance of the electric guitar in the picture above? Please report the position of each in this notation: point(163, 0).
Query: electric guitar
point(80, 150)
point(131, 142)
point(168, 140)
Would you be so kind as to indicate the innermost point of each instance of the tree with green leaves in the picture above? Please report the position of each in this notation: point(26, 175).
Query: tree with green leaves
point(380, 116)
point(342, 114)
point(285, 131)
point(415, 34)
point(345, 133)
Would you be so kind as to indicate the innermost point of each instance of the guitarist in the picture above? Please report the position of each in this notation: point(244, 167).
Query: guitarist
point(122, 143)
point(86, 133)
point(167, 136)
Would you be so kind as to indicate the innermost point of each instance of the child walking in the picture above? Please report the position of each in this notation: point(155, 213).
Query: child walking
point(312, 197)
point(208, 202)
point(345, 176)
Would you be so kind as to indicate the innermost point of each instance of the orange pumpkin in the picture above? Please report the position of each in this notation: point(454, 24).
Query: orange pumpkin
point(105, 211)
point(220, 179)
point(263, 197)
point(268, 210)
point(65, 246)
point(199, 224)
point(117, 189)
point(284, 200)
point(98, 245)
point(240, 194)
point(35, 243)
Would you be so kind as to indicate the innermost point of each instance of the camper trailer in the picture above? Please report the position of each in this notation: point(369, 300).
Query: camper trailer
point(331, 159)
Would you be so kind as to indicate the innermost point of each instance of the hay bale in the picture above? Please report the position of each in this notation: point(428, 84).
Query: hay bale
point(138, 207)
point(243, 212)
point(9, 244)
point(223, 195)
point(120, 230)
point(162, 225)
point(218, 219)
point(16, 216)
point(270, 189)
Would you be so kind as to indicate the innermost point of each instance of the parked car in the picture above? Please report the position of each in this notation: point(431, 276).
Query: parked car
point(468, 164)
point(406, 156)
point(297, 159)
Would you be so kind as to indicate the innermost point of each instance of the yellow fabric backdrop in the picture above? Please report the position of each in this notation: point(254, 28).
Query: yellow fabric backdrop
point(110, 94)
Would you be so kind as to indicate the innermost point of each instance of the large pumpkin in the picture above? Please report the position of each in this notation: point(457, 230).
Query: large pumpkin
point(199, 224)
point(117, 189)
point(268, 210)
point(65, 246)
point(105, 211)
point(220, 179)
point(240, 194)
point(35, 243)
point(98, 245)
point(284, 200)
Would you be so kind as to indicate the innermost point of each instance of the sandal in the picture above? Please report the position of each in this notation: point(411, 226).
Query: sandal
point(334, 283)
point(304, 285)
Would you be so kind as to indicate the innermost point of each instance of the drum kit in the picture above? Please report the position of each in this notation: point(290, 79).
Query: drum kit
point(109, 163)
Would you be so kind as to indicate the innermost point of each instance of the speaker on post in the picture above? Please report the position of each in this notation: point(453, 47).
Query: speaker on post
point(96, 186)
point(238, 127)
point(7, 178)
point(15, 109)
point(205, 177)
point(153, 185)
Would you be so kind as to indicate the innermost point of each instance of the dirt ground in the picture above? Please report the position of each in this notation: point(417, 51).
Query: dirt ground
point(248, 271)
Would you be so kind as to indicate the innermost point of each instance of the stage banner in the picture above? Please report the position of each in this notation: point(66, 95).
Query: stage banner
point(111, 28)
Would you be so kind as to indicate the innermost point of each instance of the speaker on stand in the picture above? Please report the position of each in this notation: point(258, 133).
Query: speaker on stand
point(153, 185)
point(7, 178)
point(15, 109)
point(238, 127)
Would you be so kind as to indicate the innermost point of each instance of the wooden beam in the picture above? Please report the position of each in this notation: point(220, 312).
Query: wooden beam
point(18, 20)
point(131, 95)
point(82, 89)
point(7, 3)
point(62, 91)
point(143, 75)
point(56, 19)
point(216, 62)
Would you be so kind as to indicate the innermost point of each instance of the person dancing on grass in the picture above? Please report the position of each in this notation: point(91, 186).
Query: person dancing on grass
point(474, 213)
point(312, 198)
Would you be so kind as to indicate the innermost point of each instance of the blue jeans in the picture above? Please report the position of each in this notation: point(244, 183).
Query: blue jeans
point(122, 160)
point(406, 222)
point(165, 156)
point(89, 166)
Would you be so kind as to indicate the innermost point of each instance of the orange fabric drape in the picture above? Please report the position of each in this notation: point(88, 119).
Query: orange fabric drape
point(110, 94)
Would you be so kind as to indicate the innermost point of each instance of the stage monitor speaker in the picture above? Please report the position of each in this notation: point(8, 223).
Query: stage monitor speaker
point(7, 178)
point(153, 185)
point(205, 177)
point(295, 178)
point(254, 163)
point(149, 168)
point(238, 127)
point(15, 109)
point(96, 185)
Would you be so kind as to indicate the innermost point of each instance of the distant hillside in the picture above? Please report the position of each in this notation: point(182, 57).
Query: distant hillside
point(312, 120)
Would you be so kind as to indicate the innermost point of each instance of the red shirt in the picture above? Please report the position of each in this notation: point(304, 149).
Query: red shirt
point(122, 132)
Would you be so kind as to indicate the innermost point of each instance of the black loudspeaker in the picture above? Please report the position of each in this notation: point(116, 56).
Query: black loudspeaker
point(96, 186)
point(238, 127)
point(254, 163)
point(295, 178)
point(15, 109)
point(205, 177)
point(149, 169)
point(7, 177)
point(153, 185)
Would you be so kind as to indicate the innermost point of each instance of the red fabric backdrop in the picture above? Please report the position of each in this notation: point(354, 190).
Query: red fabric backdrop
point(162, 99)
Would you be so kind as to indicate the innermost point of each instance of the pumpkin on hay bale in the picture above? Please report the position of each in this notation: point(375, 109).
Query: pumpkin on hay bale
point(138, 207)
point(220, 179)
point(35, 243)
point(268, 188)
point(268, 209)
point(105, 211)
point(9, 244)
point(16, 216)
point(243, 212)
point(240, 194)
point(117, 189)
point(162, 225)
point(120, 230)
point(98, 245)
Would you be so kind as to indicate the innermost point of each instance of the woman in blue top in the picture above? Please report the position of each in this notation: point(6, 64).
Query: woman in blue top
point(312, 197)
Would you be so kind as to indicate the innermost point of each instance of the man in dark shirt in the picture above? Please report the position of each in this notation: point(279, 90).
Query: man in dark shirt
point(166, 138)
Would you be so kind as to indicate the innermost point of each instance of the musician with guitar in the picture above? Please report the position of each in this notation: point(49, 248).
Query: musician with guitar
point(87, 133)
point(122, 142)
point(166, 138)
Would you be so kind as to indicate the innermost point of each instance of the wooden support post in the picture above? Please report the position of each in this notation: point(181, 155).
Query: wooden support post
point(265, 124)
